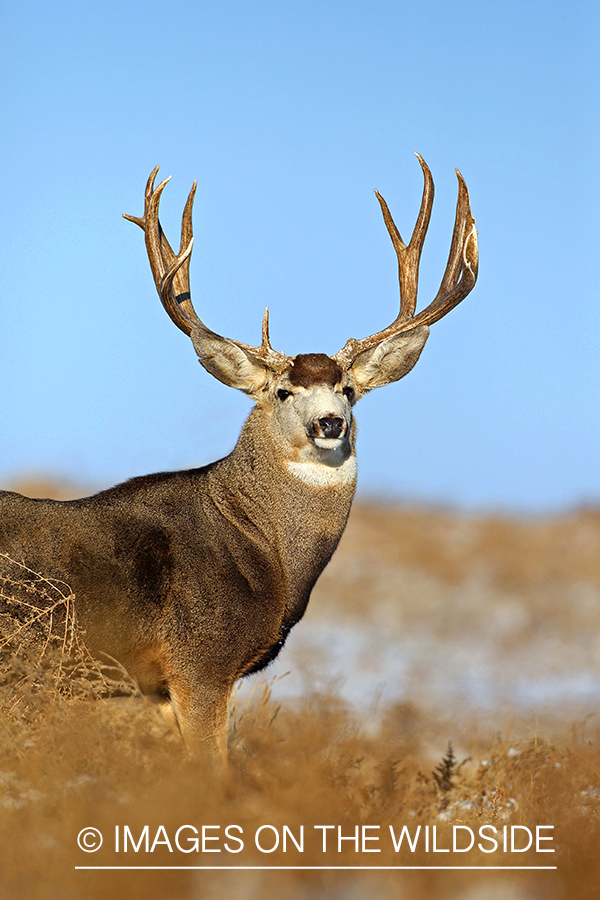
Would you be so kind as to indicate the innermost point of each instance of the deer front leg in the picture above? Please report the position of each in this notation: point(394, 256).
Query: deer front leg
point(201, 711)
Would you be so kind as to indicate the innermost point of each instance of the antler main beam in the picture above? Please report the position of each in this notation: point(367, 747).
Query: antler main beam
point(458, 280)
point(171, 271)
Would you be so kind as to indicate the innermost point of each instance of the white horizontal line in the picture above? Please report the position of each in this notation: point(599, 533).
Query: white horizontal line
point(321, 868)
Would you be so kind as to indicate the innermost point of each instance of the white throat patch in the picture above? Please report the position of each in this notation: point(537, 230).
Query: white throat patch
point(320, 474)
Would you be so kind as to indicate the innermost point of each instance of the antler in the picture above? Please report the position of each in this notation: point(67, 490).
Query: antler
point(171, 272)
point(459, 278)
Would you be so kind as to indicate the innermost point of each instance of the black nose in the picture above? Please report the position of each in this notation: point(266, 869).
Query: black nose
point(331, 426)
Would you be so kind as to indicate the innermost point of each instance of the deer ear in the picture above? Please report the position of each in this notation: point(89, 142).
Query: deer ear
point(231, 364)
point(390, 360)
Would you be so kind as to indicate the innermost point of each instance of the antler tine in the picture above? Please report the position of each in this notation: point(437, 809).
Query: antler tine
point(182, 292)
point(458, 280)
point(141, 221)
point(171, 271)
point(454, 263)
point(266, 343)
point(410, 256)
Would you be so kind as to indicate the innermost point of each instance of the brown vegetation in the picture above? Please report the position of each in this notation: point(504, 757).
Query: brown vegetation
point(116, 764)
point(452, 583)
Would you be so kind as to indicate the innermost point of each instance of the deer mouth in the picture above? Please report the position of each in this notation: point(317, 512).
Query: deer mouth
point(328, 432)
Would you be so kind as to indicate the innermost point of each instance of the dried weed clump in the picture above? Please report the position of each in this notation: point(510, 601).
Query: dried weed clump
point(41, 648)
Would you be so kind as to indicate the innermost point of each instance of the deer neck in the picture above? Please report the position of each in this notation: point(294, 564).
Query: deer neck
point(298, 507)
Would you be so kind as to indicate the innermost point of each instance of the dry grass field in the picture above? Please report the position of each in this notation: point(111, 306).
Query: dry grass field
point(445, 679)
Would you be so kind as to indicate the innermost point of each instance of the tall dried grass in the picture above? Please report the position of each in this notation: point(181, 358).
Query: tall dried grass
point(67, 763)
point(70, 764)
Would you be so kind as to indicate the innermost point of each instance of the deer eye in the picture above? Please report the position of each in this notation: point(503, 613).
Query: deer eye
point(349, 393)
point(283, 395)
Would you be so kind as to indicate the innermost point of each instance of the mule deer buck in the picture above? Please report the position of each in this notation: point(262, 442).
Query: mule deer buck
point(192, 579)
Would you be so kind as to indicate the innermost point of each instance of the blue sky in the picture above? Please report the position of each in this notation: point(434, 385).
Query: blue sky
point(290, 114)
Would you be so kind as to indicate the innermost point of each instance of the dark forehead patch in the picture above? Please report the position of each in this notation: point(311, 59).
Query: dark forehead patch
point(314, 368)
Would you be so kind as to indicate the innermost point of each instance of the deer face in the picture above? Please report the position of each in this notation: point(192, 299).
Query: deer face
point(311, 406)
point(309, 397)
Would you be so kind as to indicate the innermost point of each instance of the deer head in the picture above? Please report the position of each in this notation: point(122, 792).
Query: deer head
point(310, 396)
